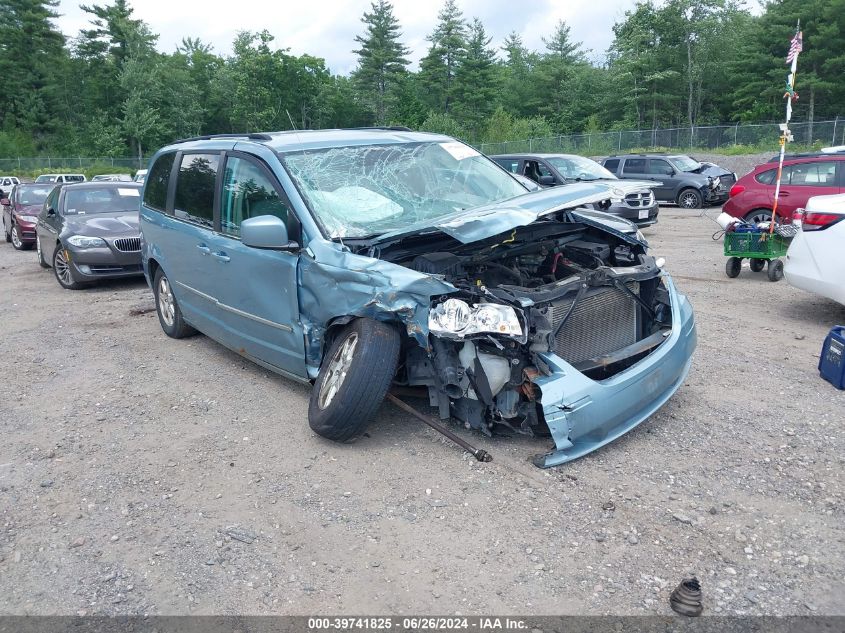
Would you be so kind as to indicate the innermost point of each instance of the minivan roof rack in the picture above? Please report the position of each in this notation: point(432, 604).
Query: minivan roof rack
point(393, 128)
point(208, 137)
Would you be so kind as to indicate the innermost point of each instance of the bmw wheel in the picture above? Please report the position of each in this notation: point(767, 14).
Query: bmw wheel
point(62, 270)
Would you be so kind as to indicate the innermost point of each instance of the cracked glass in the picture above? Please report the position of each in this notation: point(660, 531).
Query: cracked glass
point(367, 190)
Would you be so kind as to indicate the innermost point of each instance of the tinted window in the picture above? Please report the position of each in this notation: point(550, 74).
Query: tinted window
point(195, 188)
point(612, 164)
point(766, 177)
point(247, 193)
point(818, 174)
point(74, 178)
point(52, 201)
point(155, 195)
point(634, 166)
point(660, 167)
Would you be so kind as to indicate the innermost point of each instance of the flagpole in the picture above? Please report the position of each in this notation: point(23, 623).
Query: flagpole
point(794, 49)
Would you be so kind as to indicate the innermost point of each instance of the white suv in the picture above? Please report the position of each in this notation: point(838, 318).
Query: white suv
point(60, 178)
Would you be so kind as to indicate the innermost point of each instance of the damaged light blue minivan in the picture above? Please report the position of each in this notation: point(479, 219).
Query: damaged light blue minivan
point(360, 259)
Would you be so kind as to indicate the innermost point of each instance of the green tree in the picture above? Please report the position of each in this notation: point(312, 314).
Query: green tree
point(381, 58)
point(440, 65)
point(31, 58)
point(556, 74)
point(476, 81)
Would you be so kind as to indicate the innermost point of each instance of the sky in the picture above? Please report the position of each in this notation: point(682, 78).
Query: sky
point(328, 28)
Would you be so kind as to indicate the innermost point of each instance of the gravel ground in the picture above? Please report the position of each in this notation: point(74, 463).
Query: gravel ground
point(145, 475)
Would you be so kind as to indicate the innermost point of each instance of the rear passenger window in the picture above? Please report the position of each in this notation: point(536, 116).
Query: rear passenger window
point(612, 164)
point(195, 188)
point(155, 195)
point(817, 174)
point(247, 193)
point(634, 166)
point(766, 177)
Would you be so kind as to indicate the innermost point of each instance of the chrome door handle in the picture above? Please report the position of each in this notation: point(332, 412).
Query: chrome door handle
point(202, 248)
point(223, 257)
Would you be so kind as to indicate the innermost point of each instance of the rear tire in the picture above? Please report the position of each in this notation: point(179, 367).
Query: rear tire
point(775, 271)
point(167, 308)
point(41, 261)
point(353, 380)
point(757, 265)
point(733, 267)
point(690, 199)
point(758, 215)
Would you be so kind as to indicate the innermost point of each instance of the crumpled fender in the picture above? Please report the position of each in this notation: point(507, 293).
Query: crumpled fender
point(370, 288)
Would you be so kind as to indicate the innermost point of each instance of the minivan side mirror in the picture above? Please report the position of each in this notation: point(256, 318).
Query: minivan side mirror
point(267, 232)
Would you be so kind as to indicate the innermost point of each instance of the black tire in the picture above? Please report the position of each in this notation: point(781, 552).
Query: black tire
point(40, 255)
point(758, 215)
point(7, 235)
point(733, 267)
point(343, 413)
point(63, 271)
point(167, 308)
point(775, 271)
point(17, 244)
point(757, 265)
point(690, 199)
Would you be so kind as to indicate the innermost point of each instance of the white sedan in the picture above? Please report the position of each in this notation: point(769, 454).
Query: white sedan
point(816, 258)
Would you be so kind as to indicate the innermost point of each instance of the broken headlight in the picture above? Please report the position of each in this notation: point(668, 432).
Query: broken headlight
point(456, 318)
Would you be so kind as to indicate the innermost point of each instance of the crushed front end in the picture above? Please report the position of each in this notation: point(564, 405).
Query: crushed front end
point(563, 328)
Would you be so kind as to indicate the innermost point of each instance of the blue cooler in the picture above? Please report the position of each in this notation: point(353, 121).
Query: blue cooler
point(832, 361)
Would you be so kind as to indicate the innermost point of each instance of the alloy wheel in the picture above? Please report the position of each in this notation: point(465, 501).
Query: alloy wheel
point(759, 216)
point(16, 238)
point(62, 267)
point(166, 303)
point(337, 370)
point(689, 200)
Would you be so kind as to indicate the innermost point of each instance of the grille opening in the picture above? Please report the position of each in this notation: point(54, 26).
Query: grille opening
point(128, 244)
point(606, 320)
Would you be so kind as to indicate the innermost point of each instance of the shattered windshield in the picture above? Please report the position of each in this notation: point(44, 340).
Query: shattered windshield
point(579, 168)
point(685, 163)
point(367, 190)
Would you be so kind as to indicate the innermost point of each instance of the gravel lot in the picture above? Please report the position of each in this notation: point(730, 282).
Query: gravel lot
point(145, 475)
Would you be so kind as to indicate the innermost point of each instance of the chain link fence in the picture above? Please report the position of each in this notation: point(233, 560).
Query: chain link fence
point(51, 164)
point(686, 138)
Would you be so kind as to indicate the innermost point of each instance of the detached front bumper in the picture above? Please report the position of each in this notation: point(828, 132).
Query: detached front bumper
point(584, 415)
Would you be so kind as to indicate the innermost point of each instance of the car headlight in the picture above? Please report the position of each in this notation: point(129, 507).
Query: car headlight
point(29, 218)
point(456, 318)
point(82, 241)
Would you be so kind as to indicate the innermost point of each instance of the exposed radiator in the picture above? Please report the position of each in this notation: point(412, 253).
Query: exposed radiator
point(604, 320)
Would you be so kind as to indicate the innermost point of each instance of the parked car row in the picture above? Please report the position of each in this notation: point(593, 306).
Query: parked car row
point(358, 259)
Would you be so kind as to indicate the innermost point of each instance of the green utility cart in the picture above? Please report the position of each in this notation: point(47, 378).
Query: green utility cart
point(758, 247)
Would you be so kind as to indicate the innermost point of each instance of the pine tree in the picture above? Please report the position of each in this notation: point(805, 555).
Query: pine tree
point(439, 66)
point(556, 77)
point(476, 81)
point(381, 58)
point(31, 56)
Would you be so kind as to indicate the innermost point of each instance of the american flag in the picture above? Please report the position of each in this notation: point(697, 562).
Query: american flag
point(795, 47)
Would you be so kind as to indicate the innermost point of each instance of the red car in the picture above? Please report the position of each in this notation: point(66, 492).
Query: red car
point(804, 176)
point(20, 213)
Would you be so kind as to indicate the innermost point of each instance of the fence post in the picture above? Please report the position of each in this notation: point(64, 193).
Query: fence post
point(19, 163)
point(833, 139)
point(620, 141)
point(736, 133)
point(49, 164)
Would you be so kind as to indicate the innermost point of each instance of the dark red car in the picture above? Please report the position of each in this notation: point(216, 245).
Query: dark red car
point(804, 176)
point(20, 213)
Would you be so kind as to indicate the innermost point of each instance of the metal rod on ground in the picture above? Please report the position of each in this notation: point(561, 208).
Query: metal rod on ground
point(479, 454)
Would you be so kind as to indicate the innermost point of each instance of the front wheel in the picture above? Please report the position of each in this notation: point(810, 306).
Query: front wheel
point(16, 240)
point(733, 267)
point(775, 271)
point(61, 268)
point(690, 199)
point(353, 380)
point(167, 308)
